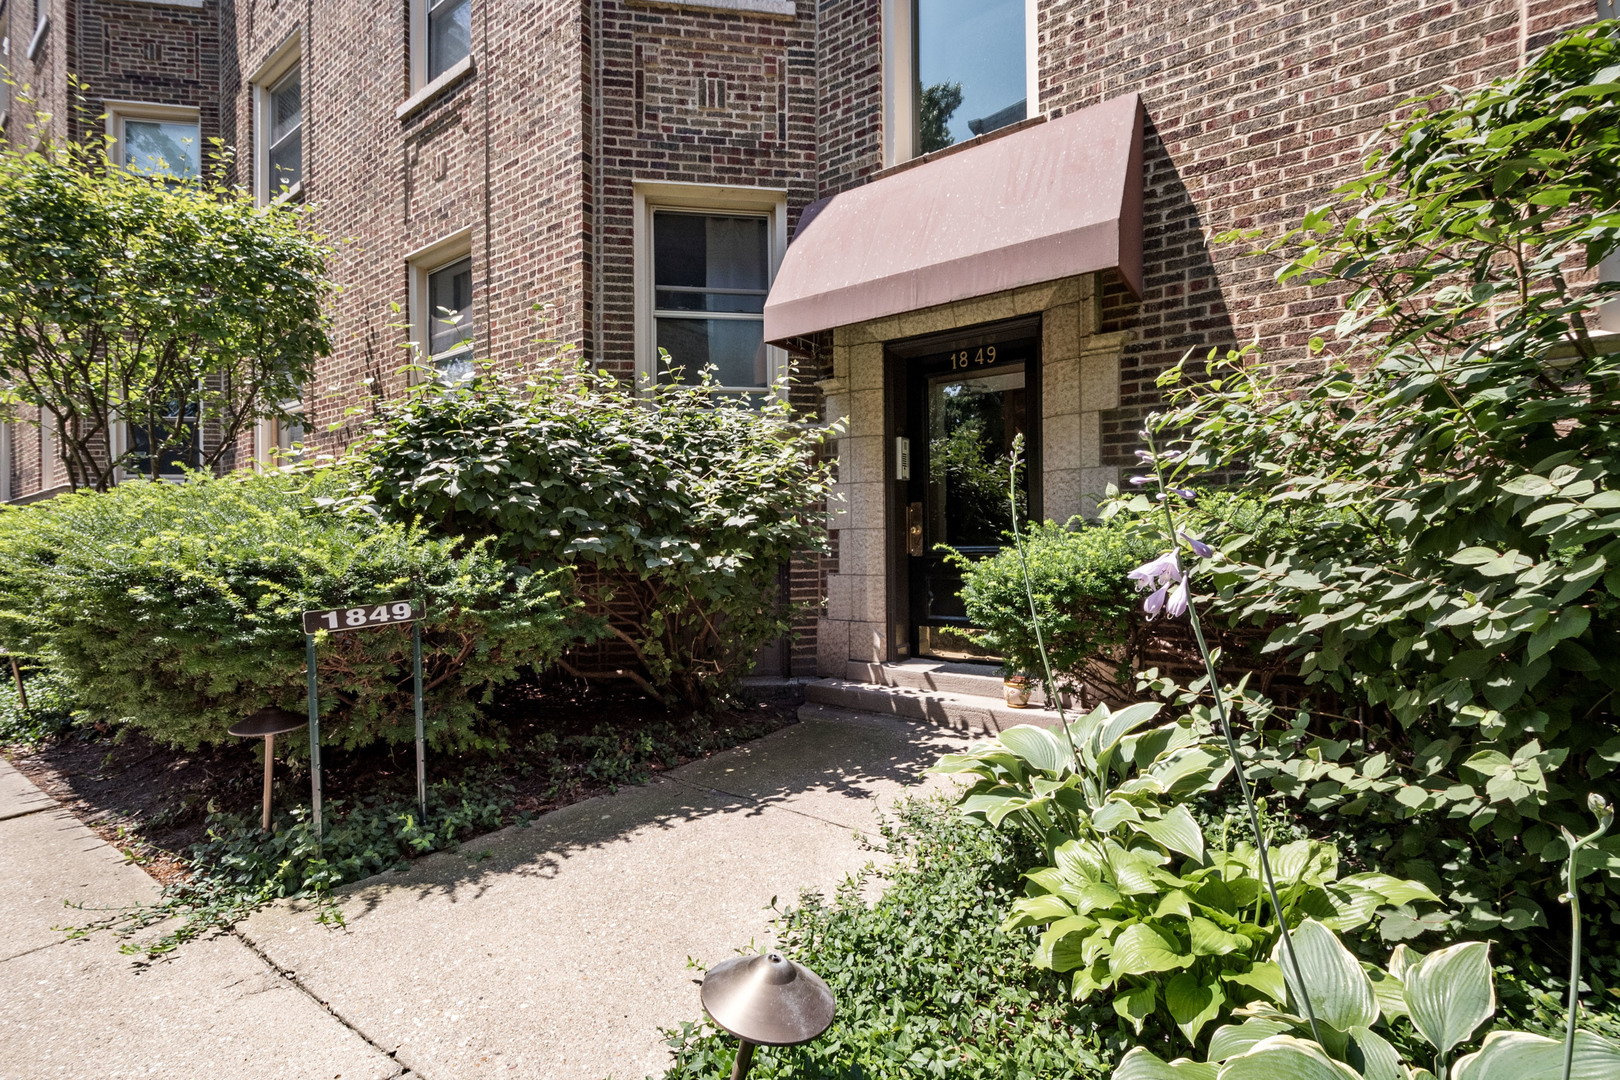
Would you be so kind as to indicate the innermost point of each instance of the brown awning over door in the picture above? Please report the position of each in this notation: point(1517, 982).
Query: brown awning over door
point(1049, 201)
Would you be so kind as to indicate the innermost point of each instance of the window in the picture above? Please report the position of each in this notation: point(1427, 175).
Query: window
point(1609, 313)
point(710, 276)
point(278, 124)
point(275, 440)
point(160, 140)
point(968, 71)
point(441, 37)
point(441, 305)
point(705, 256)
point(176, 439)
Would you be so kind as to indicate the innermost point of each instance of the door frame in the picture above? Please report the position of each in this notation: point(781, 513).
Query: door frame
point(897, 358)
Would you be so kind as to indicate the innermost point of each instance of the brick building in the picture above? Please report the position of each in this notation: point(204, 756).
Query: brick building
point(1037, 178)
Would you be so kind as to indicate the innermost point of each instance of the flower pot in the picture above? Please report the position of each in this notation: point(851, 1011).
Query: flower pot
point(1017, 692)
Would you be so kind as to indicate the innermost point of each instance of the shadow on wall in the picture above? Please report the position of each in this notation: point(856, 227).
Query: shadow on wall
point(1182, 306)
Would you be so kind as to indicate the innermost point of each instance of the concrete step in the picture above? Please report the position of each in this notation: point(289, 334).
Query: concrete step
point(942, 676)
point(961, 712)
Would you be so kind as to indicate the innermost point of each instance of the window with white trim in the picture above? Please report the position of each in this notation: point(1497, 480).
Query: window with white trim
point(955, 69)
point(278, 124)
point(1609, 314)
point(441, 37)
point(711, 273)
point(159, 140)
point(277, 439)
point(175, 439)
point(442, 306)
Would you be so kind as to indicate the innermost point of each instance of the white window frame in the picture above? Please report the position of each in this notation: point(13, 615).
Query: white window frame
point(1608, 319)
point(419, 53)
point(267, 449)
point(900, 80)
point(652, 196)
point(120, 111)
point(422, 262)
point(8, 439)
point(278, 65)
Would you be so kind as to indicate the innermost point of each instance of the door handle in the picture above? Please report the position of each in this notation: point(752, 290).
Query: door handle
point(914, 529)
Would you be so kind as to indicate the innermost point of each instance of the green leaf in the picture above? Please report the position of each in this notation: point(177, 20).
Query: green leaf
point(1235, 1039)
point(1123, 723)
point(1283, 1056)
point(1518, 1055)
point(1143, 1064)
point(1192, 1003)
point(1137, 1004)
point(1263, 977)
point(1339, 990)
point(1037, 746)
point(1141, 950)
point(1450, 992)
point(1178, 831)
point(1372, 1055)
point(1210, 940)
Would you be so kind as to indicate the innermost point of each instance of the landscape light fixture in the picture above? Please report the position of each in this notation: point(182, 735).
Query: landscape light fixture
point(766, 1000)
point(266, 724)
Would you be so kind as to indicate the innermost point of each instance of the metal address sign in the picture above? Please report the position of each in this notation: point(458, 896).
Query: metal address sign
point(362, 618)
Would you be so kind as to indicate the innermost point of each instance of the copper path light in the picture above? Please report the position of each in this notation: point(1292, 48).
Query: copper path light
point(266, 724)
point(766, 1000)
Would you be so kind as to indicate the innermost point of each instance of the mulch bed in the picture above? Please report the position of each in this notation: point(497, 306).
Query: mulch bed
point(152, 802)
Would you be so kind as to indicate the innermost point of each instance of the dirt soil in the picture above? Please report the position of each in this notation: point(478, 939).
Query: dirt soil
point(569, 741)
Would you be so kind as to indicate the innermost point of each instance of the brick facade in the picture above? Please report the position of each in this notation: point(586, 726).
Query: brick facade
point(1254, 111)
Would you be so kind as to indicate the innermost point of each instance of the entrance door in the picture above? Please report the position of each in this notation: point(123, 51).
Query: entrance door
point(966, 404)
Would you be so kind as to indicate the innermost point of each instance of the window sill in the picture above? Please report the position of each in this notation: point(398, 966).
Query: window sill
point(39, 37)
point(292, 194)
point(782, 9)
point(452, 75)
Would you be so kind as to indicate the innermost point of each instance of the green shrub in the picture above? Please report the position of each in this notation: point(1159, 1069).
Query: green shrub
point(678, 509)
point(1089, 612)
point(927, 986)
point(1460, 613)
point(52, 705)
point(175, 608)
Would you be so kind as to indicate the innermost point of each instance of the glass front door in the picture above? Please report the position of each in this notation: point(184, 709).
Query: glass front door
point(967, 406)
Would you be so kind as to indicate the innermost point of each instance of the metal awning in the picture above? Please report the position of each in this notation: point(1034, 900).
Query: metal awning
point(1045, 202)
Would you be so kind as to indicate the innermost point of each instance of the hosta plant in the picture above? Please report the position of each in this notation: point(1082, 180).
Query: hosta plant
point(1438, 1001)
point(1135, 902)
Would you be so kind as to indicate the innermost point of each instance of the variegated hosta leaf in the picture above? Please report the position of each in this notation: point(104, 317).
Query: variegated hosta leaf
point(1339, 991)
point(1040, 748)
point(1396, 890)
point(1143, 1064)
point(1283, 1057)
point(1451, 992)
point(1304, 860)
point(1114, 813)
point(1389, 991)
point(1372, 1054)
point(1144, 749)
point(1176, 830)
point(1518, 1055)
point(1120, 724)
point(1235, 1039)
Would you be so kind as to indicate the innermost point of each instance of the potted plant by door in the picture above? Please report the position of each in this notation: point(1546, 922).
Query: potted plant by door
point(1017, 687)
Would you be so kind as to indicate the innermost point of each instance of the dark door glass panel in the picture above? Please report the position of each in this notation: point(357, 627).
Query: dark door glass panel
point(971, 78)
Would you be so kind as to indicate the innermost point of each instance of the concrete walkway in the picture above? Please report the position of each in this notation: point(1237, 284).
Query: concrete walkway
point(554, 951)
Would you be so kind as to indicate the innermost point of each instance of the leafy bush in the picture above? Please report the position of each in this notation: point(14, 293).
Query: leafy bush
point(1444, 997)
point(926, 984)
point(1092, 625)
point(176, 608)
point(1135, 901)
point(1460, 606)
point(678, 508)
point(52, 706)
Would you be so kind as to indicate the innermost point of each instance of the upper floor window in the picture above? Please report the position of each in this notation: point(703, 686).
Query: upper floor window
point(441, 35)
point(968, 71)
point(710, 276)
point(450, 314)
point(282, 128)
point(160, 140)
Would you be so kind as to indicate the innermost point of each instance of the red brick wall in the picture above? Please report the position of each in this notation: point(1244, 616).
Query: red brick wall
point(1255, 111)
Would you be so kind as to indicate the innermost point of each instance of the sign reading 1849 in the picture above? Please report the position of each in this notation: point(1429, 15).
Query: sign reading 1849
point(364, 617)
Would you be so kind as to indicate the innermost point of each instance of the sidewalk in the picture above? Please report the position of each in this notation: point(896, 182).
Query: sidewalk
point(555, 951)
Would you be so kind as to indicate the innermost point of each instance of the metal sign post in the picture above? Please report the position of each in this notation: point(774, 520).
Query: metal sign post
point(366, 617)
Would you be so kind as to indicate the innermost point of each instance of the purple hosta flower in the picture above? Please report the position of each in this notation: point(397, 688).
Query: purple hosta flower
point(1164, 576)
point(1140, 480)
point(1201, 549)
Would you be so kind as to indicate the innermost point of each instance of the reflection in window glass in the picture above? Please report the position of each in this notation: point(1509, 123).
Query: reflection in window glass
point(286, 134)
point(449, 34)
point(175, 439)
point(970, 69)
point(162, 148)
point(450, 319)
point(710, 276)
